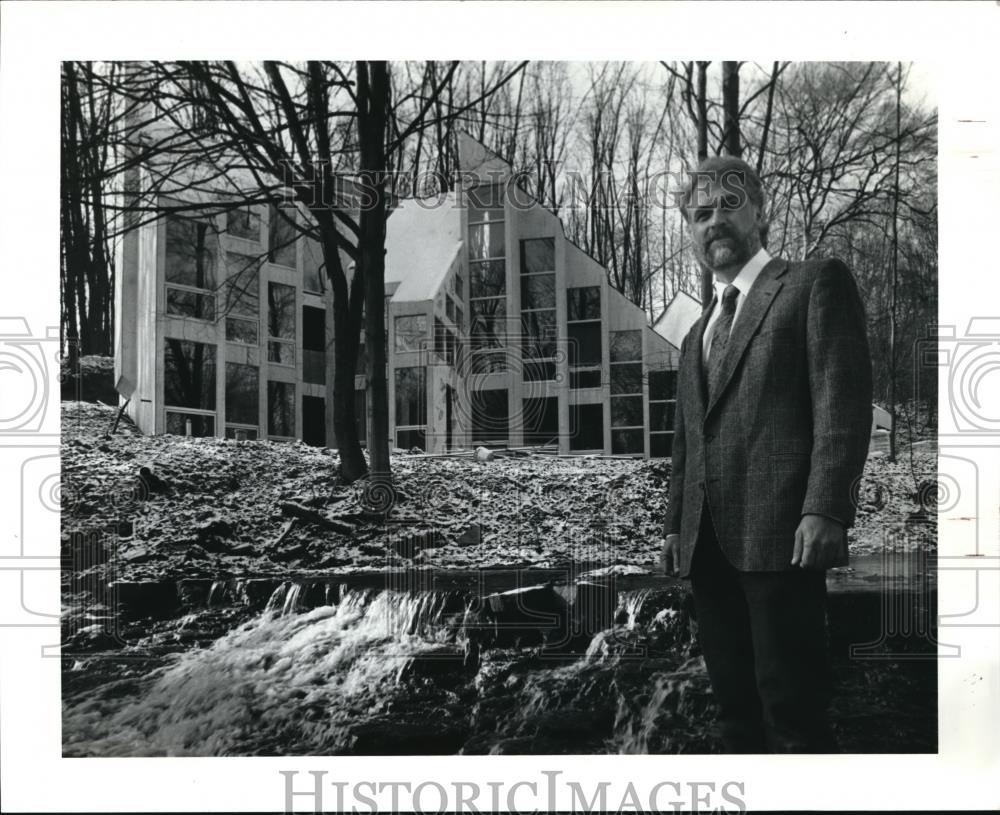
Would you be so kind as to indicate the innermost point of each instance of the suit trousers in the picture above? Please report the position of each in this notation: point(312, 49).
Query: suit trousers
point(763, 635)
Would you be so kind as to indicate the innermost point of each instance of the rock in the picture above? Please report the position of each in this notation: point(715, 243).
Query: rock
point(483, 455)
point(136, 554)
point(153, 483)
point(445, 664)
point(214, 534)
point(471, 536)
point(530, 615)
point(96, 637)
point(193, 593)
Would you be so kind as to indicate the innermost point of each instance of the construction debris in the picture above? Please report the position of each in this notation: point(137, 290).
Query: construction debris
point(199, 507)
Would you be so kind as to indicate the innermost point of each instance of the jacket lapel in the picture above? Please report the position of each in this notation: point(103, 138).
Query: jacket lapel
point(698, 363)
point(757, 303)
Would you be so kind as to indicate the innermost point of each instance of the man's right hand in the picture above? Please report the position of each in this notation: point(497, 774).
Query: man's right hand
point(670, 559)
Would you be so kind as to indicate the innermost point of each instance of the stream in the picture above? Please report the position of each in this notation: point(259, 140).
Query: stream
point(320, 667)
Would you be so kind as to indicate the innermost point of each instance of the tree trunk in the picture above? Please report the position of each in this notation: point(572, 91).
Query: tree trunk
point(768, 115)
point(895, 271)
point(373, 96)
point(731, 108)
point(702, 102)
point(345, 355)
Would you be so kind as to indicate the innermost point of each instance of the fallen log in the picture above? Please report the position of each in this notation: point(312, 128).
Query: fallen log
point(293, 510)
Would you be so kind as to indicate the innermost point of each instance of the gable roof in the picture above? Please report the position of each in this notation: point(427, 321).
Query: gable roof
point(422, 241)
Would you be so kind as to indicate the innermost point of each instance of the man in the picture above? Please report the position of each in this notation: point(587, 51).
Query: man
point(772, 429)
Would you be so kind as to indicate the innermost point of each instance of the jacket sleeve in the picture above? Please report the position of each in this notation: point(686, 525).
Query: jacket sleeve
point(840, 385)
point(672, 524)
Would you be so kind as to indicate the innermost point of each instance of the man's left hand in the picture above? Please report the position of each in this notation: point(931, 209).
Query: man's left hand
point(818, 542)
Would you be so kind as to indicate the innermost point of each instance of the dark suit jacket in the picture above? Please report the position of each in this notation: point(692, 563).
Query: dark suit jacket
point(786, 431)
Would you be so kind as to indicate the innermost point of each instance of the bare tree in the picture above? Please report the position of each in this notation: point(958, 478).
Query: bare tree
point(731, 143)
point(87, 268)
point(318, 137)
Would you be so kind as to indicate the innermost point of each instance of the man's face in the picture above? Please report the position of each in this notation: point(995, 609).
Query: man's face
point(725, 224)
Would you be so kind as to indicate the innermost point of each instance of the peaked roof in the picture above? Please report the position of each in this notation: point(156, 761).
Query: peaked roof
point(421, 242)
point(480, 164)
point(677, 320)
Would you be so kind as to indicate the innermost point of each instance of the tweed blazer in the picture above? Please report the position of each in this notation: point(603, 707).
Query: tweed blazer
point(786, 429)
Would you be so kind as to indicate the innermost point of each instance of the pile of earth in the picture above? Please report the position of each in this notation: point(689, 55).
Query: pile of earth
point(170, 507)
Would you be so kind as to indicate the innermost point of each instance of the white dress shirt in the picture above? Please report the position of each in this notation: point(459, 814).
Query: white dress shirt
point(744, 282)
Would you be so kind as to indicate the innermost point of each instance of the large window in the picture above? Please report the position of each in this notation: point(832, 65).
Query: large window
point(488, 332)
point(191, 254)
point(486, 203)
point(411, 407)
point(586, 427)
point(243, 223)
point(282, 236)
point(242, 289)
point(486, 239)
point(540, 418)
point(281, 409)
point(281, 323)
point(313, 266)
point(314, 420)
point(490, 416)
point(314, 345)
point(190, 424)
point(662, 405)
point(625, 348)
point(583, 328)
point(242, 400)
point(411, 396)
point(487, 278)
point(189, 384)
point(411, 332)
point(183, 303)
point(538, 309)
point(189, 374)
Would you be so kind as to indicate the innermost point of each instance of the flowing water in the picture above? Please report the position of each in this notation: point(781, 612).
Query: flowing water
point(382, 672)
point(262, 667)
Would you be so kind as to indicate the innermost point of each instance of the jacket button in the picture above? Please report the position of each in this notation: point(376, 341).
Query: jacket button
point(709, 437)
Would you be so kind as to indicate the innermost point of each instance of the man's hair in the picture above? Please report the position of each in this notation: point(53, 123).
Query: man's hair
point(717, 169)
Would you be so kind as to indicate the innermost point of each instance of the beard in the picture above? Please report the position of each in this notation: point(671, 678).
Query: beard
point(725, 250)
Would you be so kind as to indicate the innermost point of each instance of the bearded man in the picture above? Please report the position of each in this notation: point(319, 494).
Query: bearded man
point(772, 430)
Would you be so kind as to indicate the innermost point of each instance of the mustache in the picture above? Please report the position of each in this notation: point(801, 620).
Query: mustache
point(717, 233)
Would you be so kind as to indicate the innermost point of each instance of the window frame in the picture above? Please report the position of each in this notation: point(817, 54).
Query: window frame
point(295, 408)
point(422, 411)
point(181, 287)
point(577, 369)
point(275, 341)
point(651, 402)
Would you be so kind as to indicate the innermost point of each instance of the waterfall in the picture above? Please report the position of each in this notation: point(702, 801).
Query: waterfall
point(217, 592)
point(630, 605)
point(404, 672)
point(303, 677)
point(293, 599)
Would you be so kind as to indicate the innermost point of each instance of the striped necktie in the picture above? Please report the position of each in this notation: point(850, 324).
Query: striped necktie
point(720, 335)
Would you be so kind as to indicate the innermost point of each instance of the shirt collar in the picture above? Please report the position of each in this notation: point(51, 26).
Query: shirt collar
point(747, 275)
